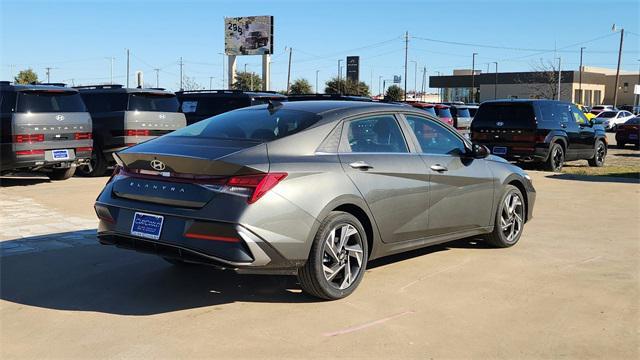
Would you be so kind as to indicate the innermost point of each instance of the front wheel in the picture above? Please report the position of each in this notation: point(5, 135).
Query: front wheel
point(338, 258)
point(556, 158)
point(509, 221)
point(62, 174)
point(598, 158)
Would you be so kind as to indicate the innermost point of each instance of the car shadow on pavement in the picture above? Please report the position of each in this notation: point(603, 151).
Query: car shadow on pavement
point(624, 178)
point(94, 277)
point(26, 181)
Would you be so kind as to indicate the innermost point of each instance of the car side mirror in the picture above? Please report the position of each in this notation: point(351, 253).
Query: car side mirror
point(478, 151)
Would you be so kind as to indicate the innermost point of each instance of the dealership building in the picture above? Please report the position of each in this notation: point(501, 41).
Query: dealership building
point(596, 87)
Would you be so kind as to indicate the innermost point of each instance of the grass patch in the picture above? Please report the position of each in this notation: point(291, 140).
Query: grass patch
point(614, 171)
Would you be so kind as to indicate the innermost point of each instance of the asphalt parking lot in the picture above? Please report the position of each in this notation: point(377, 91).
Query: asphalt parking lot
point(569, 289)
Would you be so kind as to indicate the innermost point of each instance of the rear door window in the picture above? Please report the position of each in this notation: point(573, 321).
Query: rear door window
point(375, 134)
point(153, 102)
point(510, 116)
point(49, 101)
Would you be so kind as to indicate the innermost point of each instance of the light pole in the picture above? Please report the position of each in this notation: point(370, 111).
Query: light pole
point(111, 68)
point(559, 75)
point(380, 85)
point(580, 84)
point(223, 59)
point(317, 71)
point(210, 82)
point(615, 90)
point(339, 75)
point(415, 78)
point(473, 77)
point(439, 89)
point(495, 85)
point(157, 77)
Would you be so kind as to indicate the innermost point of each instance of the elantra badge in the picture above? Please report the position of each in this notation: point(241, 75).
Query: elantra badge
point(59, 117)
point(499, 123)
point(158, 165)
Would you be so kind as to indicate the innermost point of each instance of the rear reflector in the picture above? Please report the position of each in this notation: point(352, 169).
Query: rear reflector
point(28, 138)
point(84, 149)
point(137, 133)
point(83, 136)
point(30, 152)
point(211, 237)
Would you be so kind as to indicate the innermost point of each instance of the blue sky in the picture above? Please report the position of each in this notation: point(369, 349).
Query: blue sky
point(75, 38)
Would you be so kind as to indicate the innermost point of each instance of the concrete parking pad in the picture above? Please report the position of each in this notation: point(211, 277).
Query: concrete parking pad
point(569, 289)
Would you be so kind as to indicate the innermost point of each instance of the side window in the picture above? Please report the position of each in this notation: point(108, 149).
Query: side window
point(435, 138)
point(380, 134)
point(578, 116)
point(7, 101)
point(562, 112)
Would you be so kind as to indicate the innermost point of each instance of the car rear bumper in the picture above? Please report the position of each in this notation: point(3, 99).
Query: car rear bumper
point(520, 152)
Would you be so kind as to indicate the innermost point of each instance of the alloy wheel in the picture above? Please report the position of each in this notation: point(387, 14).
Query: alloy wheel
point(558, 158)
point(601, 152)
point(512, 217)
point(342, 258)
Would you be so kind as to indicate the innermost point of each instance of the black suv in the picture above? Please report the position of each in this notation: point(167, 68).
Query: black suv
point(44, 129)
point(202, 104)
point(124, 117)
point(545, 131)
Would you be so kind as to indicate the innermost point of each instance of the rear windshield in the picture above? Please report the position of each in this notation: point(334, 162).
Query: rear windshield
point(153, 102)
point(443, 113)
point(49, 101)
point(430, 110)
point(254, 125)
point(607, 114)
point(213, 105)
point(510, 115)
point(461, 112)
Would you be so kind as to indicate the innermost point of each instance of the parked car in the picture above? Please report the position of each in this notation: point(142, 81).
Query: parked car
point(628, 133)
point(611, 119)
point(429, 108)
point(313, 188)
point(202, 104)
point(600, 108)
point(44, 129)
point(461, 118)
point(587, 111)
point(444, 113)
point(544, 131)
point(123, 117)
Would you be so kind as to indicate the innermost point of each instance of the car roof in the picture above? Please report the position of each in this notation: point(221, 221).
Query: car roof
point(119, 89)
point(7, 86)
point(229, 93)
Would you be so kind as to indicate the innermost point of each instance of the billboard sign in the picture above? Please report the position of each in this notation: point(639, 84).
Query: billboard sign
point(397, 79)
point(249, 35)
point(353, 68)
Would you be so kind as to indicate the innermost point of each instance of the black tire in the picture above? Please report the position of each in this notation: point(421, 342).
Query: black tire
point(556, 158)
point(497, 237)
point(98, 164)
point(312, 275)
point(621, 145)
point(62, 174)
point(601, 152)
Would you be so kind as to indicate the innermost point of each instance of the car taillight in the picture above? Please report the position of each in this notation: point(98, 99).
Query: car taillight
point(137, 133)
point(30, 152)
point(84, 149)
point(447, 120)
point(28, 138)
point(83, 136)
point(254, 186)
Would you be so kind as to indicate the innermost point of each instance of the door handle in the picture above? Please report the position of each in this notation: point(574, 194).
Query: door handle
point(438, 168)
point(360, 165)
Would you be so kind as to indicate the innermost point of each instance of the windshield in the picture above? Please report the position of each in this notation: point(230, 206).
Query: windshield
point(254, 125)
point(443, 113)
point(463, 112)
point(49, 101)
point(153, 102)
point(607, 114)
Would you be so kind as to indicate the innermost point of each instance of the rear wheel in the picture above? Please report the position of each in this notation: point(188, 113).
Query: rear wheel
point(556, 158)
point(601, 152)
point(96, 167)
point(338, 258)
point(62, 174)
point(509, 221)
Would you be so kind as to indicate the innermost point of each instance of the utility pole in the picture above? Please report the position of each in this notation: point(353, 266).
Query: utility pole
point(424, 79)
point(223, 83)
point(495, 86)
point(48, 73)
point(473, 77)
point(559, 75)
point(289, 71)
point(317, 71)
point(210, 82)
point(111, 58)
point(157, 77)
point(580, 84)
point(415, 77)
point(406, 54)
point(439, 89)
point(128, 67)
point(181, 63)
point(615, 90)
point(380, 85)
point(339, 76)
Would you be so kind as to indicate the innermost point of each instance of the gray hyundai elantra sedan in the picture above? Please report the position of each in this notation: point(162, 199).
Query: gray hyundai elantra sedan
point(312, 188)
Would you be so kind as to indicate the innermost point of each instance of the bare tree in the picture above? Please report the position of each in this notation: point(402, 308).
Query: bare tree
point(190, 83)
point(543, 81)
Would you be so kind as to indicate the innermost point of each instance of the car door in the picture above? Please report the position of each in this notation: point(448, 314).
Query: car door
point(571, 128)
point(586, 140)
point(461, 188)
point(391, 178)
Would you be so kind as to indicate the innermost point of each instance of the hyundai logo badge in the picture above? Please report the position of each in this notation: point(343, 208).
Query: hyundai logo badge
point(59, 117)
point(162, 116)
point(158, 165)
point(499, 123)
